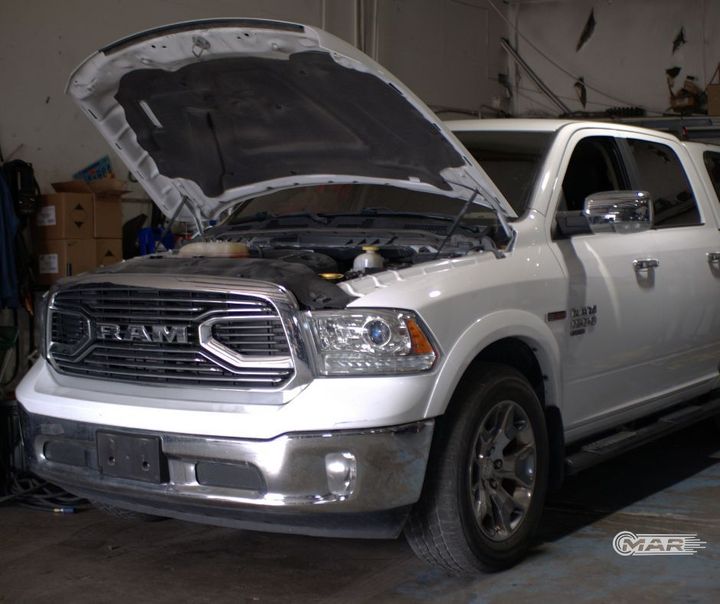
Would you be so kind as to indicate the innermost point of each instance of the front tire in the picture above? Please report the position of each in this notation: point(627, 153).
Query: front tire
point(487, 479)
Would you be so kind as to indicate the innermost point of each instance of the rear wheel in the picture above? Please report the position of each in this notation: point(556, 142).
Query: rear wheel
point(487, 479)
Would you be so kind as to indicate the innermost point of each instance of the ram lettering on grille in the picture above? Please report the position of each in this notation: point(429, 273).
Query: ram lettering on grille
point(142, 333)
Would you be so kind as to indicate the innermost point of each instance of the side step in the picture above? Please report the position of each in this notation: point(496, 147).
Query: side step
point(624, 440)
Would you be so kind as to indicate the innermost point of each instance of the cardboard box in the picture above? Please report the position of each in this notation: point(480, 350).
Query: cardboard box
point(58, 258)
point(103, 187)
point(107, 214)
point(107, 203)
point(64, 216)
point(108, 251)
point(713, 99)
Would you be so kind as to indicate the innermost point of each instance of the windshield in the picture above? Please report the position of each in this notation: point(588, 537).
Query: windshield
point(330, 200)
point(512, 159)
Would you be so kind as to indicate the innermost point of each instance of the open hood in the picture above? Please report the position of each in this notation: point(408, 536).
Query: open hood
point(207, 113)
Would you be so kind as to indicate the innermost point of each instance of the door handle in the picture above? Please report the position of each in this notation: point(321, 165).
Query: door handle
point(645, 264)
point(713, 257)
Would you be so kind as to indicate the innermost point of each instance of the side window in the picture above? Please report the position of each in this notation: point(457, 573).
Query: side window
point(594, 166)
point(712, 165)
point(660, 172)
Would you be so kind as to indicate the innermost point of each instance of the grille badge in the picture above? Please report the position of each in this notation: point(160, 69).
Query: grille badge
point(142, 333)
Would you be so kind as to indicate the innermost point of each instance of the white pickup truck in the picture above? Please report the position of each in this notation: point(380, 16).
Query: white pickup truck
point(398, 324)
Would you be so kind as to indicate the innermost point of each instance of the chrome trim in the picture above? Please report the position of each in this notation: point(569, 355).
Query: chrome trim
point(236, 359)
point(645, 264)
point(391, 464)
point(283, 301)
point(49, 327)
point(619, 211)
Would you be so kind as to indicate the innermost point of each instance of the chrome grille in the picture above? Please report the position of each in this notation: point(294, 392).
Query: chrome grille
point(111, 303)
point(252, 338)
point(246, 325)
point(68, 329)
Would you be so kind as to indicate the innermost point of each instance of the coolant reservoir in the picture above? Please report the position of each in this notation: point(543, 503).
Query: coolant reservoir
point(369, 259)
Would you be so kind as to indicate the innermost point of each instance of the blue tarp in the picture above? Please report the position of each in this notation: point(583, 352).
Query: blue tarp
point(8, 228)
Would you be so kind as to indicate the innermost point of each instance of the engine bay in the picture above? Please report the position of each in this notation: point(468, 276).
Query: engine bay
point(311, 239)
point(345, 231)
point(334, 254)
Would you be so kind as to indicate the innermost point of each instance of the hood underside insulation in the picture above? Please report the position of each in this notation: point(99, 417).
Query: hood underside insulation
point(229, 122)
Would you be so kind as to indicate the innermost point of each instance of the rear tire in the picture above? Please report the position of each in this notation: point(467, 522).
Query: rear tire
point(487, 478)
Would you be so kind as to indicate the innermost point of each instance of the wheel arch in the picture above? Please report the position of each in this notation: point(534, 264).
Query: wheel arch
point(513, 337)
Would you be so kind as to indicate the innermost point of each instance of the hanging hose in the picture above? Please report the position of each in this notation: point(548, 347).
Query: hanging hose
point(31, 492)
point(18, 487)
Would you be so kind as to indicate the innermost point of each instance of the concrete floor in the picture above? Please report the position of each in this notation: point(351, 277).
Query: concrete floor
point(668, 487)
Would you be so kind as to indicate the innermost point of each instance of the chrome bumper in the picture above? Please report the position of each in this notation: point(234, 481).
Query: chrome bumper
point(292, 483)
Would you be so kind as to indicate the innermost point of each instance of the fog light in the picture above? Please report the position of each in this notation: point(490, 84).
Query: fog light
point(341, 469)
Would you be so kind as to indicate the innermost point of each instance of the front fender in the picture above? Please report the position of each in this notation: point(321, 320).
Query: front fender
point(511, 323)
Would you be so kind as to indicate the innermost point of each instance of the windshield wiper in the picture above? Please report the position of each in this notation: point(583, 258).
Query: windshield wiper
point(267, 216)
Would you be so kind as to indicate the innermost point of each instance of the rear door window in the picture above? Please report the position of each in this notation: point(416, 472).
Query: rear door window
point(660, 172)
point(712, 165)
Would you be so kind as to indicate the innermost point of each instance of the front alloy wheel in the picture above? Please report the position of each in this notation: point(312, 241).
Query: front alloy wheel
point(502, 470)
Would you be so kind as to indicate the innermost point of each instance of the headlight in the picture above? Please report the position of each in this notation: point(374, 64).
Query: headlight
point(370, 342)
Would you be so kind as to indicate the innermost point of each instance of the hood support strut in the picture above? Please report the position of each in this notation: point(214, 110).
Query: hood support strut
point(185, 203)
point(491, 202)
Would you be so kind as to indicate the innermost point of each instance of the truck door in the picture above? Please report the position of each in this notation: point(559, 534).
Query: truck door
point(687, 278)
point(629, 331)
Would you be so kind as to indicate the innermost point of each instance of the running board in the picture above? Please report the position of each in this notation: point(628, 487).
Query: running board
point(626, 439)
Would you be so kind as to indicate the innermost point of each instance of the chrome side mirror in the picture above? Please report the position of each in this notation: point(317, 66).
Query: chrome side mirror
point(619, 211)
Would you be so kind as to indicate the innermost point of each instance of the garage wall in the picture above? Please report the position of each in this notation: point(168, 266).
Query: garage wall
point(625, 58)
point(446, 50)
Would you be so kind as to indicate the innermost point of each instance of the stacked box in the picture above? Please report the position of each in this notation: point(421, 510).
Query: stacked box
point(62, 231)
point(58, 258)
point(78, 228)
point(108, 251)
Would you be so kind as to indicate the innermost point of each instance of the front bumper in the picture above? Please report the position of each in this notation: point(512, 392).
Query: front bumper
point(357, 483)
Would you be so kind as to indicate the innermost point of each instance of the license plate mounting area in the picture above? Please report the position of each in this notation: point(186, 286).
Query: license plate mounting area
point(131, 456)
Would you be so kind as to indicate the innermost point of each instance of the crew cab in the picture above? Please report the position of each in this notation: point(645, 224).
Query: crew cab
point(397, 324)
